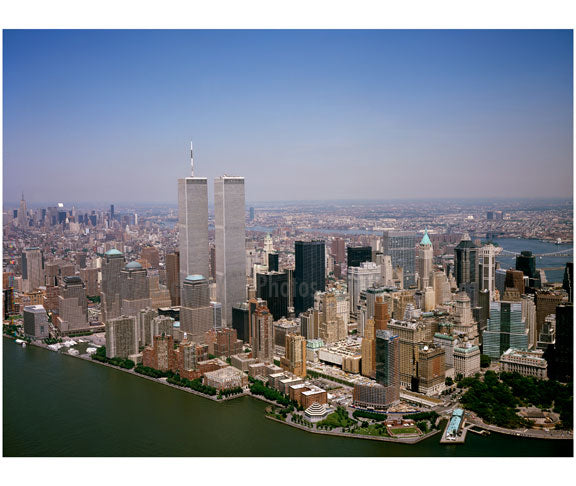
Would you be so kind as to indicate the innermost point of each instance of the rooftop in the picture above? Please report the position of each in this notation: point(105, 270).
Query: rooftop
point(113, 252)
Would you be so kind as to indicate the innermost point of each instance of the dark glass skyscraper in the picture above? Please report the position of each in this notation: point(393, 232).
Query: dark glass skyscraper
point(359, 254)
point(272, 262)
point(526, 262)
point(465, 262)
point(273, 288)
point(568, 281)
point(309, 274)
point(564, 347)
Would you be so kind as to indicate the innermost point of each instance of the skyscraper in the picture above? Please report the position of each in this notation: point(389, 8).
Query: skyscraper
point(193, 224)
point(563, 368)
point(112, 265)
point(32, 269)
point(196, 314)
point(361, 278)
point(134, 289)
point(173, 276)
point(358, 255)
point(401, 247)
point(487, 268)
point(262, 333)
point(526, 263)
point(72, 305)
point(388, 364)
point(568, 280)
point(22, 214)
point(121, 337)
point(294, 359)
point(309, 274)
point(273, 288)
point(338, 249)
point(506, 329)
point(36, 322)
point(230, 216)
point(465, 261)
point(425, 260)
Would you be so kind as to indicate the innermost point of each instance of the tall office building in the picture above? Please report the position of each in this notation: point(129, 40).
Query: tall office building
point(515, 279)
point(241, 321)
point(431, 369)
point(401, 247)
point(568, 280)
point(112, 264)
point(294, 359)
point(173, 277)
point(425, 260)
point(36, 323)
point(487, 268)
point(262, 333)
point(193, 224)
point(32, 269)
point(546, 303)
point(121, 337)
point(22, 214)
point(196, 313)
point(151, 256)
point(358, 255)
point(506, 328)
point(134, 289)
point(526, 263)
point(361, 278)
point(563, 361)
point(273, 262)
point(230, 222)
point(273, 288)
point(338, 250)
point(309, 274)
point(411, 334)
point(72, 305)
point(465, 261)
point(388, 364)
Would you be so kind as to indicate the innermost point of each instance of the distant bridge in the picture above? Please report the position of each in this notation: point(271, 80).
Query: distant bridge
point(562, 253)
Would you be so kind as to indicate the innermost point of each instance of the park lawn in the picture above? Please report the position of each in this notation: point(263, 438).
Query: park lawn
point(405, 430)
point(372, 430)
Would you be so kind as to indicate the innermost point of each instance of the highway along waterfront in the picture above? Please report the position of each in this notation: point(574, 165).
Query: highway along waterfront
point(57, 405)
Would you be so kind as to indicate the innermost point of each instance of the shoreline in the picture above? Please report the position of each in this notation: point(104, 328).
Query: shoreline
point(407, 440)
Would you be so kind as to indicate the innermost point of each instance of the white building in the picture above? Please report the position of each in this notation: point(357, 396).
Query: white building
point(466, 360)
point(360, 278)
point(527, 363)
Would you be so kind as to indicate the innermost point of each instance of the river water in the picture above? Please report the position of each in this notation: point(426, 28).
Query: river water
point(56, 405)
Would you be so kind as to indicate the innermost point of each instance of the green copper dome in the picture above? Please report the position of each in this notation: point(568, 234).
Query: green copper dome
point(426, 239)
point(113, 252)
point(194, 278)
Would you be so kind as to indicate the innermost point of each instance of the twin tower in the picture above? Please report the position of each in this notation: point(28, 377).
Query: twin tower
point(229, 220)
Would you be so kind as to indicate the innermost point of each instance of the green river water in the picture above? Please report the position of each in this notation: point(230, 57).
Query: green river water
point(57, 405)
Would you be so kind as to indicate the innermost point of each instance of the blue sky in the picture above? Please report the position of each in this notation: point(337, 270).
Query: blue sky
point(108, 115)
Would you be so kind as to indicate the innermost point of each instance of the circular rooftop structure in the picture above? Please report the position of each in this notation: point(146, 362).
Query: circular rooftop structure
point(113, 252)
point(133, 266)
point(194, 278)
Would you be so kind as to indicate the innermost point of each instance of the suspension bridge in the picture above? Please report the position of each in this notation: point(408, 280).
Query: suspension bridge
point(563, 253)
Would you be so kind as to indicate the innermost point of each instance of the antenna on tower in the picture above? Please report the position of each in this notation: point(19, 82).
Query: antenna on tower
point(192, 158)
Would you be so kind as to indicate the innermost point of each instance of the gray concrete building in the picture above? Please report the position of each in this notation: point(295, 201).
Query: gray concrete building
point(229, 205)
point(121, 337)
point(193, 226)
point(36, 323)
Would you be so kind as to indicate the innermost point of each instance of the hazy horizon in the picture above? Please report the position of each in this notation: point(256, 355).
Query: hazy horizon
point(315, 115)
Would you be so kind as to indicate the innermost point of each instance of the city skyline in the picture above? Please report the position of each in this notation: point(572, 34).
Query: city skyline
point(491, 102)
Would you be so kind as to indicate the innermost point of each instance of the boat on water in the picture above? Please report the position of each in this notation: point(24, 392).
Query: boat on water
point(558, 241)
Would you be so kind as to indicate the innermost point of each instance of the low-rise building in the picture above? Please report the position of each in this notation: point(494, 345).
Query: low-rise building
point(225, 378)
point(36, 323)
point(527, 363)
